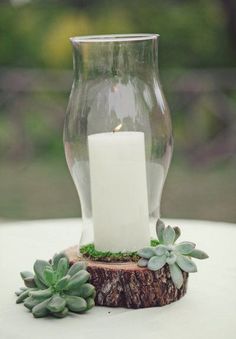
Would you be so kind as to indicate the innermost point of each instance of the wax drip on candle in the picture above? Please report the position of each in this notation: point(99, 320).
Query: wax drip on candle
point(117, 128)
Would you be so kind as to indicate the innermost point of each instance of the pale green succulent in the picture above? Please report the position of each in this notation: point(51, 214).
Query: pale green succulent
point(55, 288)
point(177, 256)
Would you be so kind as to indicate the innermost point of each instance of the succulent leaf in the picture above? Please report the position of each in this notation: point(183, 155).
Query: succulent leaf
point(90, 303)
point(177, 232)
point(26, 274)
point(176, 275)
point(30, 282)
point(75, 268)
point(94, 294)
point(186, 264)
point(185, 247)
point(41, 310)
point(56, 304)
point(20, 291)
point(39, 284)
point(78, 279)
point(75, 292)
point(168, 235)
point(39, 268)
point(198, 254)
point(56, 258)
point(22, 296)
point(62, 283)
point(156, 262)
point(146, 252)
point(62, 267)
point(17, 293)
point(86, 290)
point(23, 288)
point(41, 294)
point(76, 304)
point(171, 259)
point(62, 314)
point(142, 262)
point(49, 275)
point(30, 302)
point(160, 250)
point(160, 226)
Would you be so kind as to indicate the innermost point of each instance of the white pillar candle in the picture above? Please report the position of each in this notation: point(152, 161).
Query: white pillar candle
point(119, 191)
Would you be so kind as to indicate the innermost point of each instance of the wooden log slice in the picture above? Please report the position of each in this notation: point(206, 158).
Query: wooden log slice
point(128, 285)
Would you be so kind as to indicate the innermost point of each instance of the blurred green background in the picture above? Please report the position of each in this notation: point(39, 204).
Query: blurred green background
point(197, 60)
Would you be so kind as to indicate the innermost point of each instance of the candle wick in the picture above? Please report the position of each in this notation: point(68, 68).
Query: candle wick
point(117, 128)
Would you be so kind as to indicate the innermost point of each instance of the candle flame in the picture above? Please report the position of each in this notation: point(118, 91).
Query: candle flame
point(117, 128)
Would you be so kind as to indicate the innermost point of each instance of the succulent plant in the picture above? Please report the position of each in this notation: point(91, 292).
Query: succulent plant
point(177, 256)
point(55, 288)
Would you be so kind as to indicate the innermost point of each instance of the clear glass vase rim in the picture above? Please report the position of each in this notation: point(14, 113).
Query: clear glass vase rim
point(114, 37)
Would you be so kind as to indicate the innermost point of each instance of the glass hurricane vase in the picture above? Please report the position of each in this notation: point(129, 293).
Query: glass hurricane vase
point(116, 84)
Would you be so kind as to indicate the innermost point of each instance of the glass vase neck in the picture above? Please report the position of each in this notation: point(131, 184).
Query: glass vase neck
point(114, 55)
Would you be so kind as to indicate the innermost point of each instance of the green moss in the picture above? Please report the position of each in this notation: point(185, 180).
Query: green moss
point(90, 252)
point(154, 242)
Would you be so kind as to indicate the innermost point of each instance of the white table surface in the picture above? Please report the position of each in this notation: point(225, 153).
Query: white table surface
point(207, 311)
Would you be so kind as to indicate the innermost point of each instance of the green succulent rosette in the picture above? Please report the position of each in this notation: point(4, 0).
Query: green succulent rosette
point(177, 256)
point(55, 288)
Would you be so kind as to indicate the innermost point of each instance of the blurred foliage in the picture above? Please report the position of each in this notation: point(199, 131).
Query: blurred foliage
point(193, 33)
